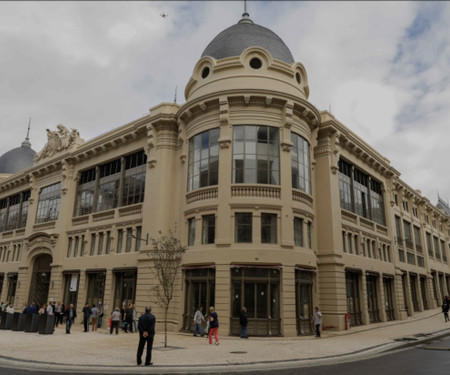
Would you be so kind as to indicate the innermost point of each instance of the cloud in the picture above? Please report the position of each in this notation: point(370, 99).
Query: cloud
point(382, 66)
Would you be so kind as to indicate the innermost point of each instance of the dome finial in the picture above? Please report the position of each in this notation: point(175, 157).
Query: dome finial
point(245, 16)
point(26, 143)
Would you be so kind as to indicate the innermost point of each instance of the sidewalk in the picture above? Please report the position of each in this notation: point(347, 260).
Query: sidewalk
point(102, 352)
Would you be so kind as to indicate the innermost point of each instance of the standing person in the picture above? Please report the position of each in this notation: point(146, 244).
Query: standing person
point(58, 312)
point(445, 308)
point(317, 319)
point(146, 328)
point(61, 316)
point(70, 315)
point(129, 318)
point(198, 319)
point(213, 326)
point(100, 315)
point(123, 316)
point(86, 314)
point(243, 321)
point(115, 319)
point(10, 308)
point(49, 309)
point(135, 319)
point(94, 315)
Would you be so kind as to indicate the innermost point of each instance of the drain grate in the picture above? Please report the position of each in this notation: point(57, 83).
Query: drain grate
point(238, 352)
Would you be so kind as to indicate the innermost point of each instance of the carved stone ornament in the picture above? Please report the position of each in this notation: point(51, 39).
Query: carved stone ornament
point(59, 140)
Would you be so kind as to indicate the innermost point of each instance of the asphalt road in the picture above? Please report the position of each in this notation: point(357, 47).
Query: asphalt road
point(425, 359)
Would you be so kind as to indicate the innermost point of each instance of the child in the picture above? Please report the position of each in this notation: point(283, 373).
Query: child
point(317, 319)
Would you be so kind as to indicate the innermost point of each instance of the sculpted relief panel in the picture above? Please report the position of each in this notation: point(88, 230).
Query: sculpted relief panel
point(59, 140)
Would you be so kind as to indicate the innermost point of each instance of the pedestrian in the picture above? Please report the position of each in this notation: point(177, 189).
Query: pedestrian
point(10, 308)
point(317, 320)
point(213, 326)
point(123, 316)
point(129, 318)
point(94, 317)
point(198, 319)
point(86, 314)
point(115, 319)
point(100, 315)
point(445, 307)
point(61, 316)
point(135, 318)
point(58, 312)
point(70, 314)
point(49, 309)
point(146, 326)
point(243, 321)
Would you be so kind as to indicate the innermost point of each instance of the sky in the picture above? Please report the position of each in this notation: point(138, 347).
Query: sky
point(383, 68)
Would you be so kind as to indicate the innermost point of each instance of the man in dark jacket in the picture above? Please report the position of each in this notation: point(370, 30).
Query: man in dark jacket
point(146, 326)
point(243, 321)
point(86, 315)
point(70, 314)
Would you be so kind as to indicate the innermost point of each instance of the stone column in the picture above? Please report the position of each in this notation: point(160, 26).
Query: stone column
point(364, 305)
point(381, 300)
point(287, 303)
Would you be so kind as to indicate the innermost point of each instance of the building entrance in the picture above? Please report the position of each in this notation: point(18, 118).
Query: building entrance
point(303, 301)
point(388, 298)
point(71, 281)
point(415, 301)
point(423, 291)
point(372, 298)
point(200, 291)
point(353, 300)
point(125, 291)
point(258, 289)
point(40, 279)
point(96, 287)
point(12, 286)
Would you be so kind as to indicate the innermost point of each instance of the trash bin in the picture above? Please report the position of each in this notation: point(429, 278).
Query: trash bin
point(6, 321)
point(18, 323)
point(31, 322)
point(46, 324)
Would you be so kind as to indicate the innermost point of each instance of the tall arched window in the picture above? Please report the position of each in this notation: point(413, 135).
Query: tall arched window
point(256, 155)
point(203, 168)
point(301, 173)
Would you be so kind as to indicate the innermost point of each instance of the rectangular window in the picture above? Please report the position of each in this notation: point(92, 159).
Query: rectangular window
point(75, 248)
point(18, 252)
point(268, 228)
point(243, 227)
point(84, 203)
point(203, 165)
point(345, 185)
point(344, 241)
point(429, 245)
point(398, 232)
point(350, 243)
point(134, 183)
point(13, 212)
point(82, 246)
point(119, 241)
point(25, 204)
point(300, 165)
point(129, 240)
point(137, 246)
point(3, 214)
point(93, 236)
point(298, 231)
point(360, 191)
point(108, 242)
point(356, 244)
point(309, 234)
point(191, 231)
point(100, 243)
point(436, 248)
point(208, 229)
point(444, 254)
point(256, 155)
point(407, 234)
point(69, 248)
point(48, 206)
point(417, 239)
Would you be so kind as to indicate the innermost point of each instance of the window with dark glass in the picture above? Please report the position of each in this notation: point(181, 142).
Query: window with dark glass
point(128, 240)
point(137, 246)
point(191, 231)
point(119, 241)
point(345, 185)
point(436, 248)
point(407, 234)
point(298, 231)
point(101, 237)
point(208, 229)
point(108, 242)
point(268, 228)
point(256, 155)
point(93, 237)
point(417, 240)
point(243, 227)
point(429, 245)
point(84, 203)
point(301, 175)
point(203, 166)
point(75, 248)
point(14, 211)
point(134, 182)
point(48, 206)
point(309, 234)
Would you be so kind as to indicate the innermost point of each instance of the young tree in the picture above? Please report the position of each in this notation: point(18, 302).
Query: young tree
point(166, 253)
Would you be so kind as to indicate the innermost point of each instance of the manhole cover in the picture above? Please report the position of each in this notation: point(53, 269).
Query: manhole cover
point(238, 352)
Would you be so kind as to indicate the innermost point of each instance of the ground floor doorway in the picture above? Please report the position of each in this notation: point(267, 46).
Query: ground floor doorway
point(40, 279)
point(352, 282)
point(96, 286)
point(372, 298)
point(125, 287)
point(12, 286)
point(388, 286)
point(71, 282)
point(423, 291)
point(304, 301)
point(200, 291)
point(257, 289)
point(414, 295)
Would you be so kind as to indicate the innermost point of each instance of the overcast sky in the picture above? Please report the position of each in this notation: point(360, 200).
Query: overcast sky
point(383, 67)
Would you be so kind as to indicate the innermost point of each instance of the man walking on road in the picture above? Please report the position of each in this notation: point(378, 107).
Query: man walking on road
point(146, 326)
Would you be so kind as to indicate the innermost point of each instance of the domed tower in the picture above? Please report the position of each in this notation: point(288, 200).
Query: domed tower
point(18, 158)
point(248, 132)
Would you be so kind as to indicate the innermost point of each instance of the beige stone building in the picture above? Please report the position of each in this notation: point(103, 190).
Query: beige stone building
point(281, 207)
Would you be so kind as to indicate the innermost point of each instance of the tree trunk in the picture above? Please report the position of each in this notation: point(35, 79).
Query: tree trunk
point(165, 326)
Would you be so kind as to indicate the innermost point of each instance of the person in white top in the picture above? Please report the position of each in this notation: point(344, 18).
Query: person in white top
point(317, 319)
point(198, 318)
point(10, 309)
point(49, 309)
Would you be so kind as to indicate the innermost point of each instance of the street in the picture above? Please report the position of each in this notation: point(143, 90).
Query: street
point(423, 359)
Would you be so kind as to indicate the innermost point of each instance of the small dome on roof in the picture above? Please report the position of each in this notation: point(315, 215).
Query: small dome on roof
point(17, 159)
point(234, 40)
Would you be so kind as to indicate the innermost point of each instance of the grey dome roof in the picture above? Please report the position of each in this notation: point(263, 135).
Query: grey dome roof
point(17, 159)
point(234, 40)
